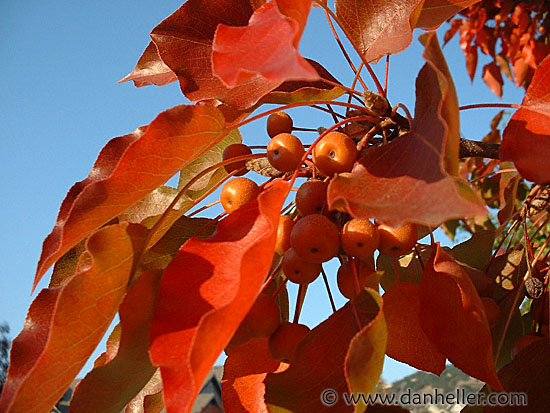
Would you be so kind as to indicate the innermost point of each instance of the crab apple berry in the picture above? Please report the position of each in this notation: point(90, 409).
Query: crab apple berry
point(232, 151)
point(315, 238)
point(397, 241)
point(282, 243)
point(297, 270)
point(492, 310)
point(285, 340)
point(335, 153)
point(279, 122)
point(237, 192)
point(285, 152)
point(345, 278)
point(264, 317)
point(311, 197)
point(524, 342)
point(360, 238)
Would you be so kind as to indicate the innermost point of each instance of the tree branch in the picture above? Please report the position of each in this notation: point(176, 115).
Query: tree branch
point(473, 149)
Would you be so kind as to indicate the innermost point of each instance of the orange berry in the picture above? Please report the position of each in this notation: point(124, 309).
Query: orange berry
point(311, 197)
point(360, 238)
point(524, 342)
point(232, 151)
point(315, 238)
point(297, 270)
point(283, 343)
point(237, 192)
point(335, 153)
point(397, 241)
point(264, 317)
point(346, 282)
point(279, 122)
point(285, 152)
point(492, 310)
point(283, 234)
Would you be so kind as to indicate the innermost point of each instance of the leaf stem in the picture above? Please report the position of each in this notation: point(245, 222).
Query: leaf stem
point(299, 302)
point(325, 279)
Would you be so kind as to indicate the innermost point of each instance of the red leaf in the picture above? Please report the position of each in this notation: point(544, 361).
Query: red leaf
point(528, 373)
point(65, 324)
point(243, 374)
point(110, 387)
point(435, 12)
point(206, 292)
point(407, 342)
point(321, 360)
point(378, 27)
point(190, 32)
point(127, 169)
point(526, 140)
point(405, 180)
point(453, 317)
point(150, 70)
point(493, 78)
point(266, 48)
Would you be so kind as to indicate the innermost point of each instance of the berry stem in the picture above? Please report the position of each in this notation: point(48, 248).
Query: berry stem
point(329, 111)
point(344, 52)
point(278, 290)
point(211, 204)
point(299, 302)
point(489, 105)
point(325, 279)
point(386, 75)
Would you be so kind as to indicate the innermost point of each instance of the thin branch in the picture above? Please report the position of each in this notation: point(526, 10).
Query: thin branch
point(474, 149)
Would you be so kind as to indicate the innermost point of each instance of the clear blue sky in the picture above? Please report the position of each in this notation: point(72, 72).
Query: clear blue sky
point(61, 103)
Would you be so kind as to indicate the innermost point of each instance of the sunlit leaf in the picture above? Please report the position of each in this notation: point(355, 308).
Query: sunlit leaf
point(150, 70)
point(65, 324)
point(526, 139)
point(127, 169)
point(322, 357)
point(453, 317)
point(378, 27)
point(110, 387)
point(435, 12)
point(207, 290)
point(266, 48)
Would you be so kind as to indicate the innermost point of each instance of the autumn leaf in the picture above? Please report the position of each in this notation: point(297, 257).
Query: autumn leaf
point(65, 324)
point(526, 140)
point(405, 181)
point(435, 12)
point(453, 317)
point(407, 341)
point(127, 169)
point(207, 290)
point(493, 78)
point(378, 27)
point(528, 373)
point(243, 374)
point(189, 31)
point(149, 399)
point(110, 387)
point(150, 70)
point(266, 48)
point(325, 360)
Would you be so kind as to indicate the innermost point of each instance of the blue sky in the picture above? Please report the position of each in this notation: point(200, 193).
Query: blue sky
point(61, 103)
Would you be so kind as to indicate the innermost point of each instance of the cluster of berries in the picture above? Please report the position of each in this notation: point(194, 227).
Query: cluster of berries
point(311, 234)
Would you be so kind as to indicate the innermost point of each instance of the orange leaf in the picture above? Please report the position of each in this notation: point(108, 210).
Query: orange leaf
point(365, 357)
point(435, 12)
point(110, 387)
point(149, 399)
point(243, 374)
point(207, 290)
point(405, 180)
point(407, 342)
point(453, 317)
point(65, 324)
point(323, 360)
point(526, 139)
point(150, 70)
point(266, 48)
point(378, 27)
point(493, 78)
point(127, 169)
